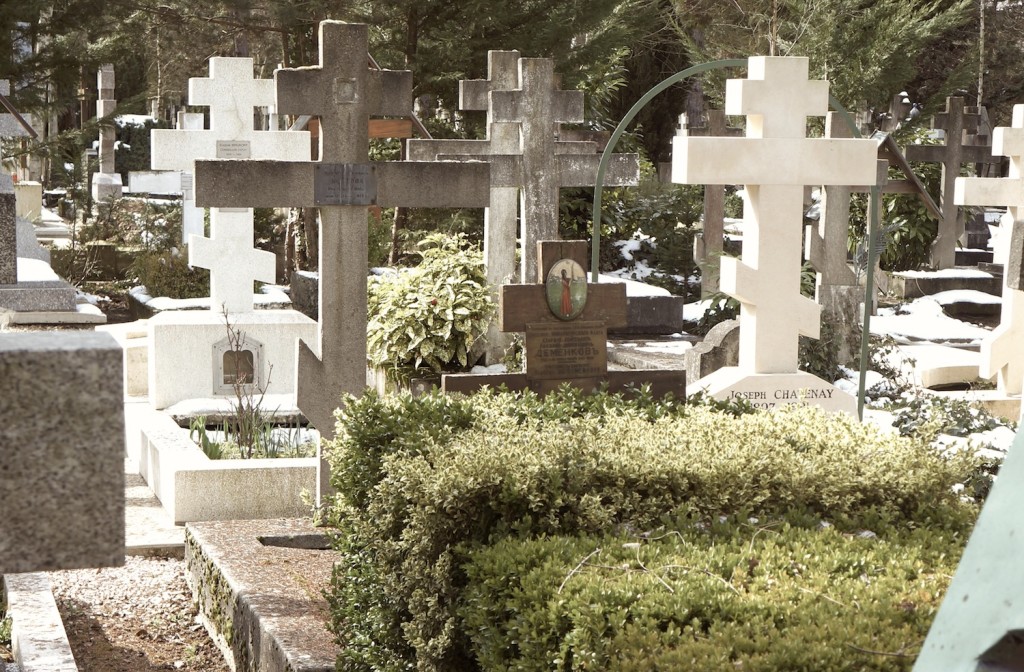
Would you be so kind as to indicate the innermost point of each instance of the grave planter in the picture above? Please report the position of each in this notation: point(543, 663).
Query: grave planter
point(192, 487)
point(382, 379)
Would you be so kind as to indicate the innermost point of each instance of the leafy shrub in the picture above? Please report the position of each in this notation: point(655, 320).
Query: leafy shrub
point(424, 482)
point(722, 307)
point(728, 595)
point(168, 274)
point(431, 314)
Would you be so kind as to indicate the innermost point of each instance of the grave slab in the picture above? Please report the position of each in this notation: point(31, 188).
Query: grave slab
point(777, 389)
point(260, 588)
point(63, 477)
point(38, 639)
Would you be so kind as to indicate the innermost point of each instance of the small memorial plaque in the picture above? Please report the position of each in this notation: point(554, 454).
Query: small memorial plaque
point(566, 350)
point(344, 184)
point(344, 91)
point(186, 184)
point(234, 149)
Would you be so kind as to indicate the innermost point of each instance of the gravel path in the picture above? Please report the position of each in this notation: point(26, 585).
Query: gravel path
point(136, 618)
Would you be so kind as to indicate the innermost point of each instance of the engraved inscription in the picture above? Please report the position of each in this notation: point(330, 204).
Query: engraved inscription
point(344, 184)
point(234, 149)
point(186, 184)
point(566, 350)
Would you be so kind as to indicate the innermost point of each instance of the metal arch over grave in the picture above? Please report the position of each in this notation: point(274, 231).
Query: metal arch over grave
point(1001, 354)
point(565, 343)
point(344, 93)
point(232, 95)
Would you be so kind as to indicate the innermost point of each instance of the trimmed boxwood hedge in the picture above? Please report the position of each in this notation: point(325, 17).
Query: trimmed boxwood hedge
point(424, 483)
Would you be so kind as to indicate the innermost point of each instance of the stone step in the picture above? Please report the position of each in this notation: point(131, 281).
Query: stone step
point(972, 256)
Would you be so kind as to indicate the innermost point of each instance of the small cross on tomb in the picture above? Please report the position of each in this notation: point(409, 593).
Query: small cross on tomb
point(1001, 353)
point(566, 321)
point(232, 94)
point(957, 122)
point(525, 154)
point(106, 182)
point(344, 93)
point(774, 162)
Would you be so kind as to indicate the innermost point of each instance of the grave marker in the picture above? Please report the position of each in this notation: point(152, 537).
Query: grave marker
point(106, 183)
point(344, 93)
point(566, 322)
point(1001, 353)
point(774, 162)
point(232, 94)
point(957, 121)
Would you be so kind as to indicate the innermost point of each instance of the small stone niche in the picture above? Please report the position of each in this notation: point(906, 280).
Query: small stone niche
point(241, 363)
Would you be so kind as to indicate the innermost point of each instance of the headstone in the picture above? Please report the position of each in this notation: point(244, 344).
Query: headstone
point(774, 162)
point(232, 94)
point(1001, 353)
point(978, 626)
point(712, 238)
point(524, 108)
point(344, 93)
point(720, 348)
point(956, 122)
point(63, 478)
point(565, 320)
point(8, 232)
point(106, 183)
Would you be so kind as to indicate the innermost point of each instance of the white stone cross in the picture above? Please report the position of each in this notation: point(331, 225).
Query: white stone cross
point(232, 94)
point(1002, 352)
point(774, 162)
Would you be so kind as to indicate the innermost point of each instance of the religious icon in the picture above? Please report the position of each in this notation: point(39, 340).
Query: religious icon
point(566, 289)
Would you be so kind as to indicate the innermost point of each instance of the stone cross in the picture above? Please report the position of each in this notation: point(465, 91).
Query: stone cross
point(774, 162)
point(1001, 352)
point(106, 183)
point(568, 345)
point(9, 128)
point(232, 94)
point(344, 93)
point(957, 121)
point(712, 240)
point(525, 154)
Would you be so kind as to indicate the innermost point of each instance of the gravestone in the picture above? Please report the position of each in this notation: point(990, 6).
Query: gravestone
point(344, 93)
point(720, 348)
point(774, 162)
point(956, 122)
point(709, 252)
point(187, 355)
point(978, 626)
point(9, 128)
point(524, 108)
point(565, 320)
point(106, 183)
point(1001, 353)
point(63, 476)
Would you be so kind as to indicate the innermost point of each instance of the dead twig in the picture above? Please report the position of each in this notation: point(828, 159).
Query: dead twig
point(577, 568)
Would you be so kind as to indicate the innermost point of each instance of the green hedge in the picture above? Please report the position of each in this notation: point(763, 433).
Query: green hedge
point(735, 595)
point(422, 483)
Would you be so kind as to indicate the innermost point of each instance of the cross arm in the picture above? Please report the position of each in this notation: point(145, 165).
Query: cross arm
point(940, 153)
point(519, 305)
point(987, 191)
point(581, 171)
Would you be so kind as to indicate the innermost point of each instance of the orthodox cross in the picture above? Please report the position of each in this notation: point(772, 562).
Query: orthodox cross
point(232, 94)
point(1001, 352)
point(774, 162)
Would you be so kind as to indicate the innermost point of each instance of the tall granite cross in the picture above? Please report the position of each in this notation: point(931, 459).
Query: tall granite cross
point(713, 237)
point(525, 154)
point(344, 93)
point(774, 162)
point(232, 94)
point(957, 121)
point(1001, 352)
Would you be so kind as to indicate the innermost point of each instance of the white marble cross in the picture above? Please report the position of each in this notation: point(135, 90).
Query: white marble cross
point(232, 94)
point(1002, 353)
point(774, 162)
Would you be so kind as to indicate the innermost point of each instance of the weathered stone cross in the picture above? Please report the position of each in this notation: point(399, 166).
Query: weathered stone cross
point(773, 162)
point(525, 154)
point(1001, 352)
point(344, 93)
point(106, 183)
point(955, 121)
point(565, 320)
point(232, 94)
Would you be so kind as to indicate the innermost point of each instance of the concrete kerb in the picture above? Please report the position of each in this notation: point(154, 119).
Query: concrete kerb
point(38, 638)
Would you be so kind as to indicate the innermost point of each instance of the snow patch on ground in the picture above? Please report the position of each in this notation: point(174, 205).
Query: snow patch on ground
point(923, 320)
